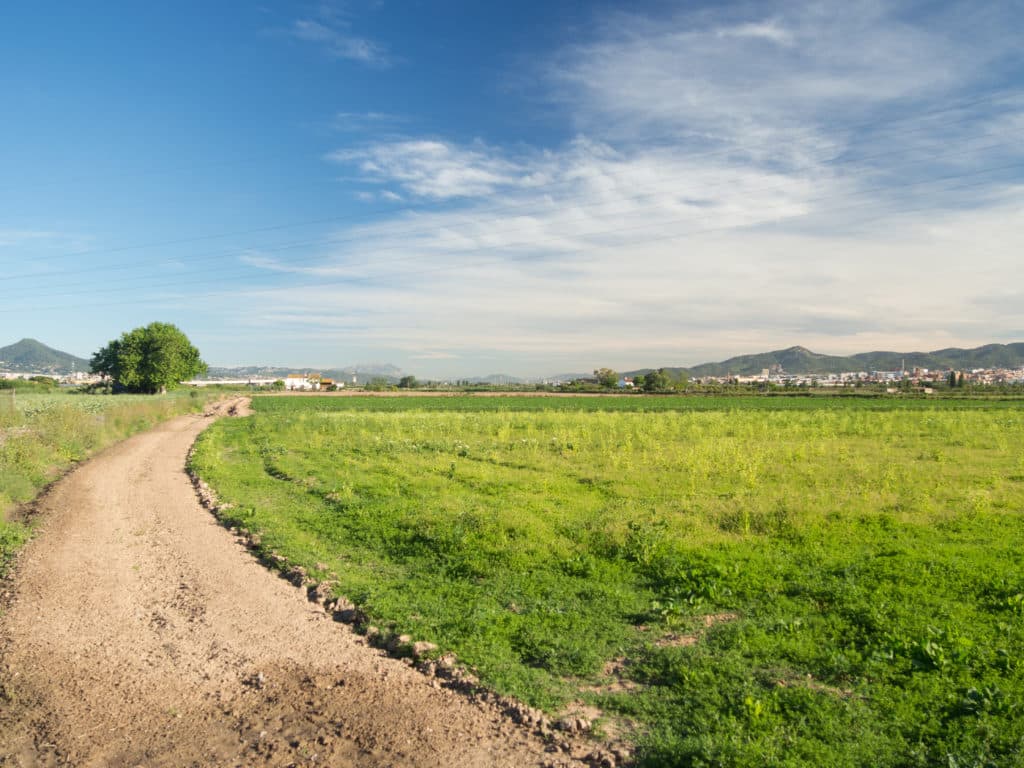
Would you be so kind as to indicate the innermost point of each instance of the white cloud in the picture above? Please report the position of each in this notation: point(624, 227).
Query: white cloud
point(434, 356)
point(765, 30)
point(358, 122)
point(19, 237)
point(723, 294)
point(736, 184)
point(43, 240)
point(436, 169)
point(777, 83)
point(339, 42)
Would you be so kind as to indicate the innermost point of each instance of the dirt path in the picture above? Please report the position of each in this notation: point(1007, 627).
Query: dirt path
point(141, 634)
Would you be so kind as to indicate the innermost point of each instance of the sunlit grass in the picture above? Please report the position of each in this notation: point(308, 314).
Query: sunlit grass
point(41, 435)
point(868, 559)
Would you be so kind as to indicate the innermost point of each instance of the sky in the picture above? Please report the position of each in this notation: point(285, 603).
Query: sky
point(529, 188)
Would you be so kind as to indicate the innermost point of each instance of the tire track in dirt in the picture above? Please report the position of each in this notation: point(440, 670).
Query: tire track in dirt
point(141, 633)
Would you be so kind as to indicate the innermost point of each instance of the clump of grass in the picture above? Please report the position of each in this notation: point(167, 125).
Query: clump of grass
point(41, 435)
point(12, 537)
point(795, 586)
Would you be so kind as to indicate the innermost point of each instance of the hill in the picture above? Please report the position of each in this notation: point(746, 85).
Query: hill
point(354, 374)
point(792, 360)
point(803, 360)
point(31, 356)
point(499, 379)
point(987, 356)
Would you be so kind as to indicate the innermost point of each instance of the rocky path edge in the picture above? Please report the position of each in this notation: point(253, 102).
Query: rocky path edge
point(140, 632)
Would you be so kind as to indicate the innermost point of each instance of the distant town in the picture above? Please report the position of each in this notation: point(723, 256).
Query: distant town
point(992, 365)
point(921, 379)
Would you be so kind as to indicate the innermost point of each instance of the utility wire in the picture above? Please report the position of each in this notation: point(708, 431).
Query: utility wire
point(134, 264)
point(731, 150)
point(563, 254)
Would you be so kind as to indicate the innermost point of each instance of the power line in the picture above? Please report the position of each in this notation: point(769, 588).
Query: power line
point(357, 279)
point(531, 204)
point(617, 230)
point(731, 150)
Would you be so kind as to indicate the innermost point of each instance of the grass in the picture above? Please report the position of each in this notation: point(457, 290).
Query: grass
point(41, 435)
point(632, 403)
point(736, 582)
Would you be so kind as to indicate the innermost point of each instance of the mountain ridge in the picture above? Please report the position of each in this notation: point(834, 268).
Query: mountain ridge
point(32, 356)
point(362, 373)
point(801, 360)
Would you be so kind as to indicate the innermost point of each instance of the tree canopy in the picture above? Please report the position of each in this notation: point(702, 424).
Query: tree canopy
point(151, 359)
point(655, 381)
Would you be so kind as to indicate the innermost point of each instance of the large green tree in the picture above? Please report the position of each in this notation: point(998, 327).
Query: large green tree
point(151, 359)
point(655, 381)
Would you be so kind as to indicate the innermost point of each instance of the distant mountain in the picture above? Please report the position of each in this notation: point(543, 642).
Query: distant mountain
point(803, 360)
point(31, 356)
point(987, 356)
point(570, 376)
point(792, 360)
point(496, 378)
point(353, 374)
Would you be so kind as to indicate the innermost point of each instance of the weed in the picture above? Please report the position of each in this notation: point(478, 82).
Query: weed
point(46, 433)
point(540, 538)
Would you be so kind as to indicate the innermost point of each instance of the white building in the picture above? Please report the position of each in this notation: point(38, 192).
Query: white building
point(302, 381)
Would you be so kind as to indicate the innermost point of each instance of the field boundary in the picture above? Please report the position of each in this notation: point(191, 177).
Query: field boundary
point(568, 735)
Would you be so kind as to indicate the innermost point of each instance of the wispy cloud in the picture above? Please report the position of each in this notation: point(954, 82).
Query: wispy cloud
point(434, 356)
point(796, 175)
point(765, 30)
point(336, 37)
point(360, 122)
point(33, 239)
point(767, 84)
point(19, 237)
point(435, 169)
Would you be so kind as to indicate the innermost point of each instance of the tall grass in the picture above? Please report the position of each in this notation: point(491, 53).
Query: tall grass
point(42, 435)
point(869, 561)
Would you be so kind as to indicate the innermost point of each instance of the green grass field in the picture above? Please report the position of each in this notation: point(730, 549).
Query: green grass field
point(731, 581)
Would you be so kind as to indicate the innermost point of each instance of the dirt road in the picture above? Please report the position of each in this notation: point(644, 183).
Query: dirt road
point(140, 633)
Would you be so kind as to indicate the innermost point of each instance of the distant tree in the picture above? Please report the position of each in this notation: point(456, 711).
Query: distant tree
point(377, 384)
point(606, 377)
point(278, 385)
point(678, 380)
point(408, 382)
point(32, 384)
point(656, 381)
point(46, 381)
point(150, 359)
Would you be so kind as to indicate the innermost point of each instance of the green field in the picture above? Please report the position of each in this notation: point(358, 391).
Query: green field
point(41, 435)
point(730, 581)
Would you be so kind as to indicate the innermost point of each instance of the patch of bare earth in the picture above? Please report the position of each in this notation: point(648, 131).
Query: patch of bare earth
point(796, 680)
point(674, 640)
point(140, 632)
point(618, 732)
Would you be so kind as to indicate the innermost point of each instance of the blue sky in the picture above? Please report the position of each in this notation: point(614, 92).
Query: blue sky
point(463, 188)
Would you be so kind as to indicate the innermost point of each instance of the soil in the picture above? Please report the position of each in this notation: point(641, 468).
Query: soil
point(139, 632)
